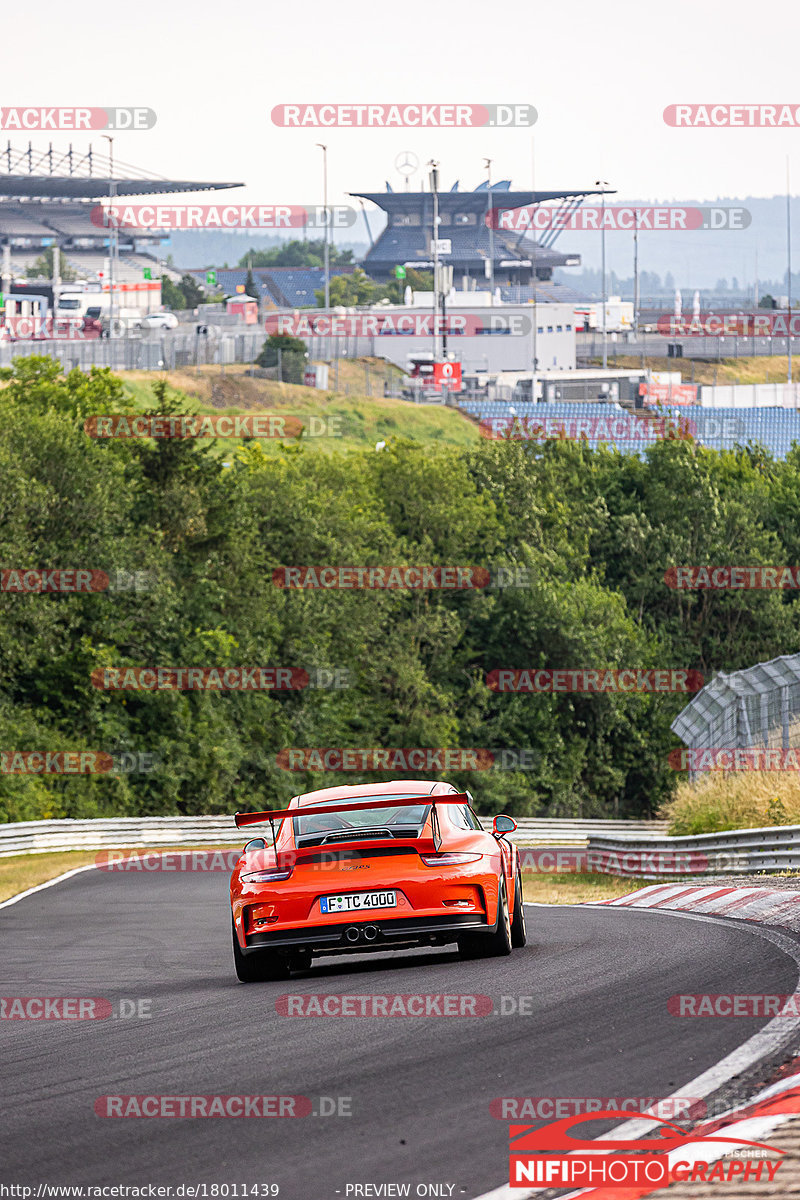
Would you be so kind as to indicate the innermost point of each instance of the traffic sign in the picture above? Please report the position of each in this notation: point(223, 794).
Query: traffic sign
point(211, 277)
point(148, 272)
point(400, 272)
point(447, 375)
point(2, 300)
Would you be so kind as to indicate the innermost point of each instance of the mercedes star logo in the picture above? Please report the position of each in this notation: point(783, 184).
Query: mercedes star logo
point(406, 162)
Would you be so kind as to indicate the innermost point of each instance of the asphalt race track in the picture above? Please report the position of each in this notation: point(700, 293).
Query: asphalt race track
point(420, 1087)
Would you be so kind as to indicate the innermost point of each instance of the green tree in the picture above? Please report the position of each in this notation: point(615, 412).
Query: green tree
point(293, 356)
point(186, 294)
point(589, 535)
point(171, 295)
point(192, 292)
point(251, 287)
point(359, 289)
point(42, 268)
point(297, 253)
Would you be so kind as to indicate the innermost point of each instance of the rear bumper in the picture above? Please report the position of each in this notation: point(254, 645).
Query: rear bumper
point(389, 935)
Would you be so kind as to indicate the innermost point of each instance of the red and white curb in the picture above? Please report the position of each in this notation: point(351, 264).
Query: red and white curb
point(767, 906)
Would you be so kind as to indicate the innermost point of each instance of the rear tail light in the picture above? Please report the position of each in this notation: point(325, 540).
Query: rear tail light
point(265, 866)
point(266, 876)
point(447, 860)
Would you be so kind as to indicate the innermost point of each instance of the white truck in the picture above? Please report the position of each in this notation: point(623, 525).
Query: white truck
point(619, 315)
point(95, 307)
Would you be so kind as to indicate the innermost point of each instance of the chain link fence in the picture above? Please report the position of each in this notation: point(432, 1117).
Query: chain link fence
point(218, 347)
point(153, 352)
point(756, 707)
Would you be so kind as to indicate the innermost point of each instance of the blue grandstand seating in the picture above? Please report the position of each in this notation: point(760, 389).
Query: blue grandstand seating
point(718, 428)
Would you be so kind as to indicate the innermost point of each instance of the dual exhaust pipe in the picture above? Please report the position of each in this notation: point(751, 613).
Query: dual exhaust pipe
point(358, 933)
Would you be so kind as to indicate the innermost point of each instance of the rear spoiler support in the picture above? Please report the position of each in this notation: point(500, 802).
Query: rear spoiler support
point(435, 827)
point(270, 814)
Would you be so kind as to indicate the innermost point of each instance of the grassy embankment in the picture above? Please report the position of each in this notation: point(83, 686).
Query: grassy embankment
point(347, 420)
point(734, 800)
point(22, 871)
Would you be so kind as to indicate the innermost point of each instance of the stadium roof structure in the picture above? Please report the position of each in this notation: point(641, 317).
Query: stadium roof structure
point(38, 175)
point(406, 239)
point(476, 200)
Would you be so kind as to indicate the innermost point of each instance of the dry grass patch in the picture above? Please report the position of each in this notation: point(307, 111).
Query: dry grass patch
point(22, 871)
point(541, 888)
point(734, 800)
point(763, 368)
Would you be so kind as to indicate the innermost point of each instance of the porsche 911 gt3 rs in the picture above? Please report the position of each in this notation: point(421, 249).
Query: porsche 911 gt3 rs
point(373, 867)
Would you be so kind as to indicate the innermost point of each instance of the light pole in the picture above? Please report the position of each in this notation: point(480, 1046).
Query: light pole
point(636, 274)
point(324, 150)
point(535, 366)
point(112, 191)
point(433, 164)
point(487, 162)
point(789, 270)
point(603, 183)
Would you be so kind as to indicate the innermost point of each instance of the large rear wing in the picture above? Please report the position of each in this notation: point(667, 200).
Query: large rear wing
point(280, 814)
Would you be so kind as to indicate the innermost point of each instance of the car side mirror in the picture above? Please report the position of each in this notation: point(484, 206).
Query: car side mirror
point(503, 824)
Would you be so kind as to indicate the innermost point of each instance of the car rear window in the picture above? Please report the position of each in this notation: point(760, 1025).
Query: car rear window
point(353, 824)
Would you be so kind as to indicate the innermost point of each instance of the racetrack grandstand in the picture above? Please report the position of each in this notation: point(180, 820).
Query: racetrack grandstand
point(47, 199)
point(406, 239)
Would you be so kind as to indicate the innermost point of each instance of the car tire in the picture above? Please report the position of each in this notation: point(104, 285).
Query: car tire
point(259, 966)
point(518, 933)
point(495, 944)
point(499, 943)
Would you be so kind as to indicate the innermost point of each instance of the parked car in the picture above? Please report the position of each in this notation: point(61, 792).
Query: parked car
point(126, 322)
point(92, 321)
point(160, 320)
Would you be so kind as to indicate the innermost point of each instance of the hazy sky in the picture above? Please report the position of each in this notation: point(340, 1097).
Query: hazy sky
point(599, 75)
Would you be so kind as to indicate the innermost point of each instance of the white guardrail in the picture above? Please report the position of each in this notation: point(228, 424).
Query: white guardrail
point(36, 837)
point(735, 852)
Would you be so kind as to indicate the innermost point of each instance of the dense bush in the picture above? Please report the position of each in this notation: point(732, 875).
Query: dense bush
point(594, 530)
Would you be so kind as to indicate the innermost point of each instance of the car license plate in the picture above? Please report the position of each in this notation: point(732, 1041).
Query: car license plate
point(358, 900)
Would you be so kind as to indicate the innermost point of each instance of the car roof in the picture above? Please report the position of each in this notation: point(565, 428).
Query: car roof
point(405, 787)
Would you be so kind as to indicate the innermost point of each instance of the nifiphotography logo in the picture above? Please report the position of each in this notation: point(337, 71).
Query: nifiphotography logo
point(551, 1156)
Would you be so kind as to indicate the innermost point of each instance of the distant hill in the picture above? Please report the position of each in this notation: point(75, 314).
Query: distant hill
point(694, 259)
point(205, 248)
point(699, 258)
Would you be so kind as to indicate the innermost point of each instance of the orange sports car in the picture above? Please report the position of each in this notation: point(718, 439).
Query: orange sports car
point(378, 866)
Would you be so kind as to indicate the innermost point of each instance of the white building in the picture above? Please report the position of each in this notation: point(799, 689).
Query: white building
point(487, 338)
